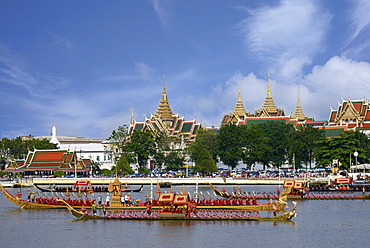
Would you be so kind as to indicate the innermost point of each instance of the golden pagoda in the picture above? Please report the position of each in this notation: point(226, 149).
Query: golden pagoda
point(298, 114)
point(269, 108)
point(115, 189)
point(166, 122)
point(239, 112)
point(164, 111)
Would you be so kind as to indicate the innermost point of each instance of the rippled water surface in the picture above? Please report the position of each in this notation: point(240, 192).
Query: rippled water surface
point(319, 223)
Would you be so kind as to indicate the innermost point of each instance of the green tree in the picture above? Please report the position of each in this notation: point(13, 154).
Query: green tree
point(123, 166)
point(59, 174)
point(18, 148)
point(206, 139)
point(277, 141)
point(174, 160)
point(230, 145)
point(141, 147)
point(95, 169)
point(302, 143)
point(255, 145)
point(340, 148)
point(106, 172)
point(204, 163)
point(118, 141)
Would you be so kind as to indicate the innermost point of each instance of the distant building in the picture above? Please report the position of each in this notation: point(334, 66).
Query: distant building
point(84, 148)
point(351, 115)
point(269, 108)
point(165, 121)
point(47, 162)
point(268, 112)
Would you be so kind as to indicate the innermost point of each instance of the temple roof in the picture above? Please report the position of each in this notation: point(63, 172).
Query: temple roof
point(164, 110)
point(268, 107)
point(239, 107)
point(298, 114)
point(53, 160)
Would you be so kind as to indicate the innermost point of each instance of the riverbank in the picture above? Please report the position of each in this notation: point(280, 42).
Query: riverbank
point(29, 182)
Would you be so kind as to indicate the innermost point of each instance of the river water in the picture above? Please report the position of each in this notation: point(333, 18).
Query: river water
point(319, 223)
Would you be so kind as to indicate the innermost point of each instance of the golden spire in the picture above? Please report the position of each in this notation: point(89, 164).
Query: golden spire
point(164, 110)
point(298, 114)
point(269, 104)
point(132, 122)
point(239, 107)
point(268, 83)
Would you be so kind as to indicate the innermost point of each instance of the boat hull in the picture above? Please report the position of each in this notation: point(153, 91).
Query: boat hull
point(287, 216)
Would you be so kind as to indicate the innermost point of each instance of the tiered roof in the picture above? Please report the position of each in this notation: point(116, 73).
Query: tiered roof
point(51, 160)
point(268, 107)
point(164, 121)
point(164, 111)
point(298, 114)
point(355, 115)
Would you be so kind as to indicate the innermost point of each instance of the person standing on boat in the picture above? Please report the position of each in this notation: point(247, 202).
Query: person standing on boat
point(29, 195)
point(127, 202)
point(104, 209)
point(93, 206)
point(123, 200)
point(107, 200)
point(99, 199)
point(32, 196)
point(19, 195)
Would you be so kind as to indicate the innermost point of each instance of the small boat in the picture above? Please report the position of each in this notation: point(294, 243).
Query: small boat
point(178, 207)
point(89, 189)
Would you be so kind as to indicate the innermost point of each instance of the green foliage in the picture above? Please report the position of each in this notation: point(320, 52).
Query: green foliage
point(123, 166)
point(230, 145)
point(206, 139)
point(174, 160)
point(118, 140)
point(204, 163)
point(142, 146)
point(95, 168)
point(143, 170)
point(255, 146)
point(59, 174)
point(106, 172)
point(302, 143)
point(342, 148)
point(18, 148)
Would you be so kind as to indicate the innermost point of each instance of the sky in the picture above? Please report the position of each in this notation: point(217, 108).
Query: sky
point(83, 66)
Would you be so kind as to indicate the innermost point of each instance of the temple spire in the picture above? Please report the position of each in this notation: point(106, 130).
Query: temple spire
point(298, 114)
point(269, 108)
point(268, 83)
point(239, 107)
point(164, 110)
point(132, 122)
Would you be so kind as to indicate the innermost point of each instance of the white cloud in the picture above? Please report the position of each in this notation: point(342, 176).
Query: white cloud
point(161, 9)
point(60, 41)
point(360, 16)
point(291, 31)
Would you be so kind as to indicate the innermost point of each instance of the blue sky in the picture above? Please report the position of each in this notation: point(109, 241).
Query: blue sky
point(83, 65)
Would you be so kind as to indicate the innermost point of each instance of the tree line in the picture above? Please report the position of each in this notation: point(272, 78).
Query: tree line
point(271, 144)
